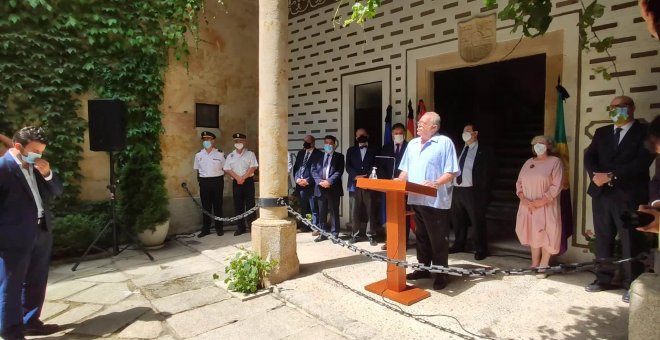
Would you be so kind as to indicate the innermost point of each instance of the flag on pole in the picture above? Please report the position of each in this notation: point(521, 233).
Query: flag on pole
point(387, 134)
point(562, 150)
point(421, 109)
point(410, 122)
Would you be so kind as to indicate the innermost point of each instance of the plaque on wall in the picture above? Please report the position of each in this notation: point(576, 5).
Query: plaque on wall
point(477, 37)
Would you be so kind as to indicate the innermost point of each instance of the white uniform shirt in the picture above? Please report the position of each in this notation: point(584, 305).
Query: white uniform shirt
point(239, 163)
point(32, 182)
point(209, 164)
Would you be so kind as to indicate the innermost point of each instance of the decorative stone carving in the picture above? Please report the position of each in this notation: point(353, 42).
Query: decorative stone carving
point(477, 37)
point(297, 7)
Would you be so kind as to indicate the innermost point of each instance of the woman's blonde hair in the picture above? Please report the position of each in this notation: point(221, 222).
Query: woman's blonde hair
point(552, 149)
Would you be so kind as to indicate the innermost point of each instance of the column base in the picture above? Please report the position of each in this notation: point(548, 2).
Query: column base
point(277, 239)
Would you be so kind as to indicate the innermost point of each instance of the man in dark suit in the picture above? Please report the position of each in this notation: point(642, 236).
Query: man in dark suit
point(471, 193)
point(360, 160)
point(392, 154)
point(302, 172)
point(618, 164)
point(327, 171)
point(653, 208)
point(27, 186)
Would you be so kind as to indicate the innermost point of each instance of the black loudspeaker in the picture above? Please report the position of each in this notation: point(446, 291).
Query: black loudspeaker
point(107, 124)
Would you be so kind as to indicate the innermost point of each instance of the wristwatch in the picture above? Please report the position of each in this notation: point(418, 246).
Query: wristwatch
point(611, 176)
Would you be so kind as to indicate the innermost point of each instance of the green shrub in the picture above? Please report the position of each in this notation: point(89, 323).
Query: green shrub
point(76, 227)
point(247, 271)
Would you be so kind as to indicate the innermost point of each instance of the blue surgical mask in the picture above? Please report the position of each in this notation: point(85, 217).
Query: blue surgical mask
point(207, 144)
point(327, 148)
point(31, 157)
point(619, 115)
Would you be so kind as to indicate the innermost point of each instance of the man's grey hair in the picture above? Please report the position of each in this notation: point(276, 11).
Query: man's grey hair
point(435, 119)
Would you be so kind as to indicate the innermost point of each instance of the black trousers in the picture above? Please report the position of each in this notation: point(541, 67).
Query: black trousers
point(365, 209)
point(465, 211)
point(431, 231)
point(244, 201)
point(329, 202)
point(607, 210)
point(210, 191)
point(308, 204)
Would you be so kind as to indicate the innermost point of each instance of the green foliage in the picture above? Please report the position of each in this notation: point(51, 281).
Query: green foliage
point(76, 228)
point(54, 51)
point(246, 271)
point(361, 11)
point(532, 15)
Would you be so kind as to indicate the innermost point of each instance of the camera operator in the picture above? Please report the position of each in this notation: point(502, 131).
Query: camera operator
point(654, 187)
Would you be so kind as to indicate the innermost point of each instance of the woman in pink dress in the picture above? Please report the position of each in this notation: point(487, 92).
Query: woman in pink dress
point(538, 224)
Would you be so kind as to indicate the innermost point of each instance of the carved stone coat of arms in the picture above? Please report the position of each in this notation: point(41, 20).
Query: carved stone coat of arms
point(477, 38)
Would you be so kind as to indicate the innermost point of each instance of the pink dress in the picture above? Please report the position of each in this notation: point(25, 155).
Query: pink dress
point(541, 228)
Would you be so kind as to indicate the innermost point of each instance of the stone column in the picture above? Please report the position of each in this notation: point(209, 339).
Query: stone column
point(273, 234)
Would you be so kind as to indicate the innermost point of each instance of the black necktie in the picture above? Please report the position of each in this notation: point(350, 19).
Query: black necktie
point(303, 168)
point(325, 165)
point(617, 136)
point(461, 162)
point(396, 152)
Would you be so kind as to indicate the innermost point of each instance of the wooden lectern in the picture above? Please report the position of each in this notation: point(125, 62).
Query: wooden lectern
point(394, 287)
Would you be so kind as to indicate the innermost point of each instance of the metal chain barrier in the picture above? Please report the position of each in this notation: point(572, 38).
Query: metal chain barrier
point(455, 271)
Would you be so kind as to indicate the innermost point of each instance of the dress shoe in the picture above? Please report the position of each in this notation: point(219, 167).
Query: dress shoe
point(316, 233)
point(219, 231)
point(383, 247)
point(42, 329)
point(203, 233)
point(480, 255)
point(626, 296)
point(353, 240)
point(598, 287)
point(239, 232)
point(372, 242)
point(418, 274)
point(456, 249)
point(440, 282)
point(320, 238)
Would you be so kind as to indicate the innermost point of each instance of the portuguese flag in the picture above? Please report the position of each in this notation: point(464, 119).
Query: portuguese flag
point(562, 150)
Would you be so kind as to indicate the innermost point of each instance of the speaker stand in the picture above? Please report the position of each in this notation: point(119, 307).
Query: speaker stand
point(112, 224)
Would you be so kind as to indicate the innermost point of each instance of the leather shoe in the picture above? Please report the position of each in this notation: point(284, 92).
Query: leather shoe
point(239, 232)
point(383, 247)
point(316, 233)
point(440, 282)
point(626, 296)
point(372, 242)
point(480, 255)
point(203, 233)
point(43, 329)
point(455, 249)
point(320, 238)
point(353, 240)
point(219, 232)
point(418, 274)
point(598, 287)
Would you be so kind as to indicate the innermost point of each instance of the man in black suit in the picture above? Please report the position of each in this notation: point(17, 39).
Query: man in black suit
point(471, 193)
point(394, 152)
point(327, 171)
point(360, 159)
point(618, 164)
point(653, 208)
point(302, 172)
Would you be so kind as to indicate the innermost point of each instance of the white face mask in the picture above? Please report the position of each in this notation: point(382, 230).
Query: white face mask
point(398, 139)
point(239, 146)
point(466, 136)
point(540, 148)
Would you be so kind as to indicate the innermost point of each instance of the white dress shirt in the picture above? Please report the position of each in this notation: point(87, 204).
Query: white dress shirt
point(468, 166)
point(209, 164)
point(32, 182)
point(624, 129)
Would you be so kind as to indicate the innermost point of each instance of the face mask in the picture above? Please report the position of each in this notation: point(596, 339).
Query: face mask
point(327, 148)
point(362, 139)
point(466, 136)
point(540, 148)
point(619, 115)
point(238, 146)
point(207, 144)
point(31, 157)
point(307, 145)
point(398, 139)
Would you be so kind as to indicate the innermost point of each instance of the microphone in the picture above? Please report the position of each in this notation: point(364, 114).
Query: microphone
point(393, 163)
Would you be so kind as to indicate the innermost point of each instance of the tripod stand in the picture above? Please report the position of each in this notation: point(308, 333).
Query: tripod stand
point(112, 187)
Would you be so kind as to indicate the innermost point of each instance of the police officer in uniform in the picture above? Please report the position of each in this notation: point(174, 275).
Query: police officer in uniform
point(209, 163)
point(241, 165)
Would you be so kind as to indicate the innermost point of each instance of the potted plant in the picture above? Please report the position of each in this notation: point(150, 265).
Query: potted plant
point(247, 272)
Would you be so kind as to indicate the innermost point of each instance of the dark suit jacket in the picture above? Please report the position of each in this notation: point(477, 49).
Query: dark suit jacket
point(306, 172)
point(355, 165)
point(482, 172)
point(654, 186)
point(336, 170)
point(629, 163)
point(385, 164)
point(18, 210)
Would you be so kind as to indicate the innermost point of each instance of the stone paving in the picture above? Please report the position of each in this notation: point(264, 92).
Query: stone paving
point(175, 297)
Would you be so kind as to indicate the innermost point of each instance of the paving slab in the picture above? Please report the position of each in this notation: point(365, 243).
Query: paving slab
point(207, 318)
point(179, 285)
point(147, 326)
point(76, 314)
point(103, 293)
point(112, 275)
point(203, 264)
point(316, 332)
point(51, 309)
point(187, 300)
point(109, 320)
point(66, 288)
